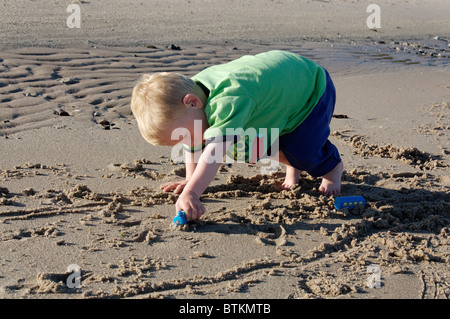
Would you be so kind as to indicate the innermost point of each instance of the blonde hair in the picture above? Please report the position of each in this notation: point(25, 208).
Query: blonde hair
point(157, 100)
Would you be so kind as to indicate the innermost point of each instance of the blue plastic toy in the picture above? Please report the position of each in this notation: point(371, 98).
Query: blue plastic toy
point(180, 219)
point(349, 202)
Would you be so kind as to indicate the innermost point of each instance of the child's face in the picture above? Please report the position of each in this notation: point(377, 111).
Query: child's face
point(188, 129)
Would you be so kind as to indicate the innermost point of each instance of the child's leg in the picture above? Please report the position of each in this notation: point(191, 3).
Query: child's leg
point(307, 148)
point(292, 174)
point(331, 182)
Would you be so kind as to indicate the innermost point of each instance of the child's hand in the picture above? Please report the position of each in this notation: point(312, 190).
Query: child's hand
point(176, 187)
point(190, 203)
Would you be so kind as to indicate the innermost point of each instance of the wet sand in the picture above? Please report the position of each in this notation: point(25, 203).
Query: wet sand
point(79, 186)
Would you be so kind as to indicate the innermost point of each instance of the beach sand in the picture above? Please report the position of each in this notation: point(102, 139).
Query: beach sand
point(79, 186)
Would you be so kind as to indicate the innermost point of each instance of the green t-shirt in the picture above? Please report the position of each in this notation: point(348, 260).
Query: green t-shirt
point(264, 95)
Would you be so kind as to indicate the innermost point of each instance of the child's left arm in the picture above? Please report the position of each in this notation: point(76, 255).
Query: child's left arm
point(209, 163)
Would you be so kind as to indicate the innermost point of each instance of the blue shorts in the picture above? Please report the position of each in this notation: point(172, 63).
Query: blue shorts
point(307, 148)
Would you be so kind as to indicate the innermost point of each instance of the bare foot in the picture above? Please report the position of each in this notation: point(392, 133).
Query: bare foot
point(331, 182)
point(292, 177)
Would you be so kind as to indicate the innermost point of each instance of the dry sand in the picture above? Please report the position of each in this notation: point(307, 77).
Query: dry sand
point(78, 185)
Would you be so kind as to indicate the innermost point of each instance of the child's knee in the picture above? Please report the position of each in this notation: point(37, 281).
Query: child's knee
point(316, 161)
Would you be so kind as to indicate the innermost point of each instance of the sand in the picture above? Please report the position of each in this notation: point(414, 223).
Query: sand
point(79, 186)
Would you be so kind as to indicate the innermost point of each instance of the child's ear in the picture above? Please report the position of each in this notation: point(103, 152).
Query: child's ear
point(192, 100)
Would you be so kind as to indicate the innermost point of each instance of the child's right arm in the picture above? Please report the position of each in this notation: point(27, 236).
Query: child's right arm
point(191, 160)
point(208, 164)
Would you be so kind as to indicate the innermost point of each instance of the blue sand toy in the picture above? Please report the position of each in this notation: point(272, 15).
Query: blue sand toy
point(180, 219)
point(349, 202)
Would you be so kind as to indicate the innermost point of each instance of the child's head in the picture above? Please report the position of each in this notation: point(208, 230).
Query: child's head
point(158, 101)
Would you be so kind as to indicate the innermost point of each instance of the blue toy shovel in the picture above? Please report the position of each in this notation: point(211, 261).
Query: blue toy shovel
point(349, 202)
point(180, 219)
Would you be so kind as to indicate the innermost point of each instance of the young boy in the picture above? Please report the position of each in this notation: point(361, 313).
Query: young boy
point(275, 93)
